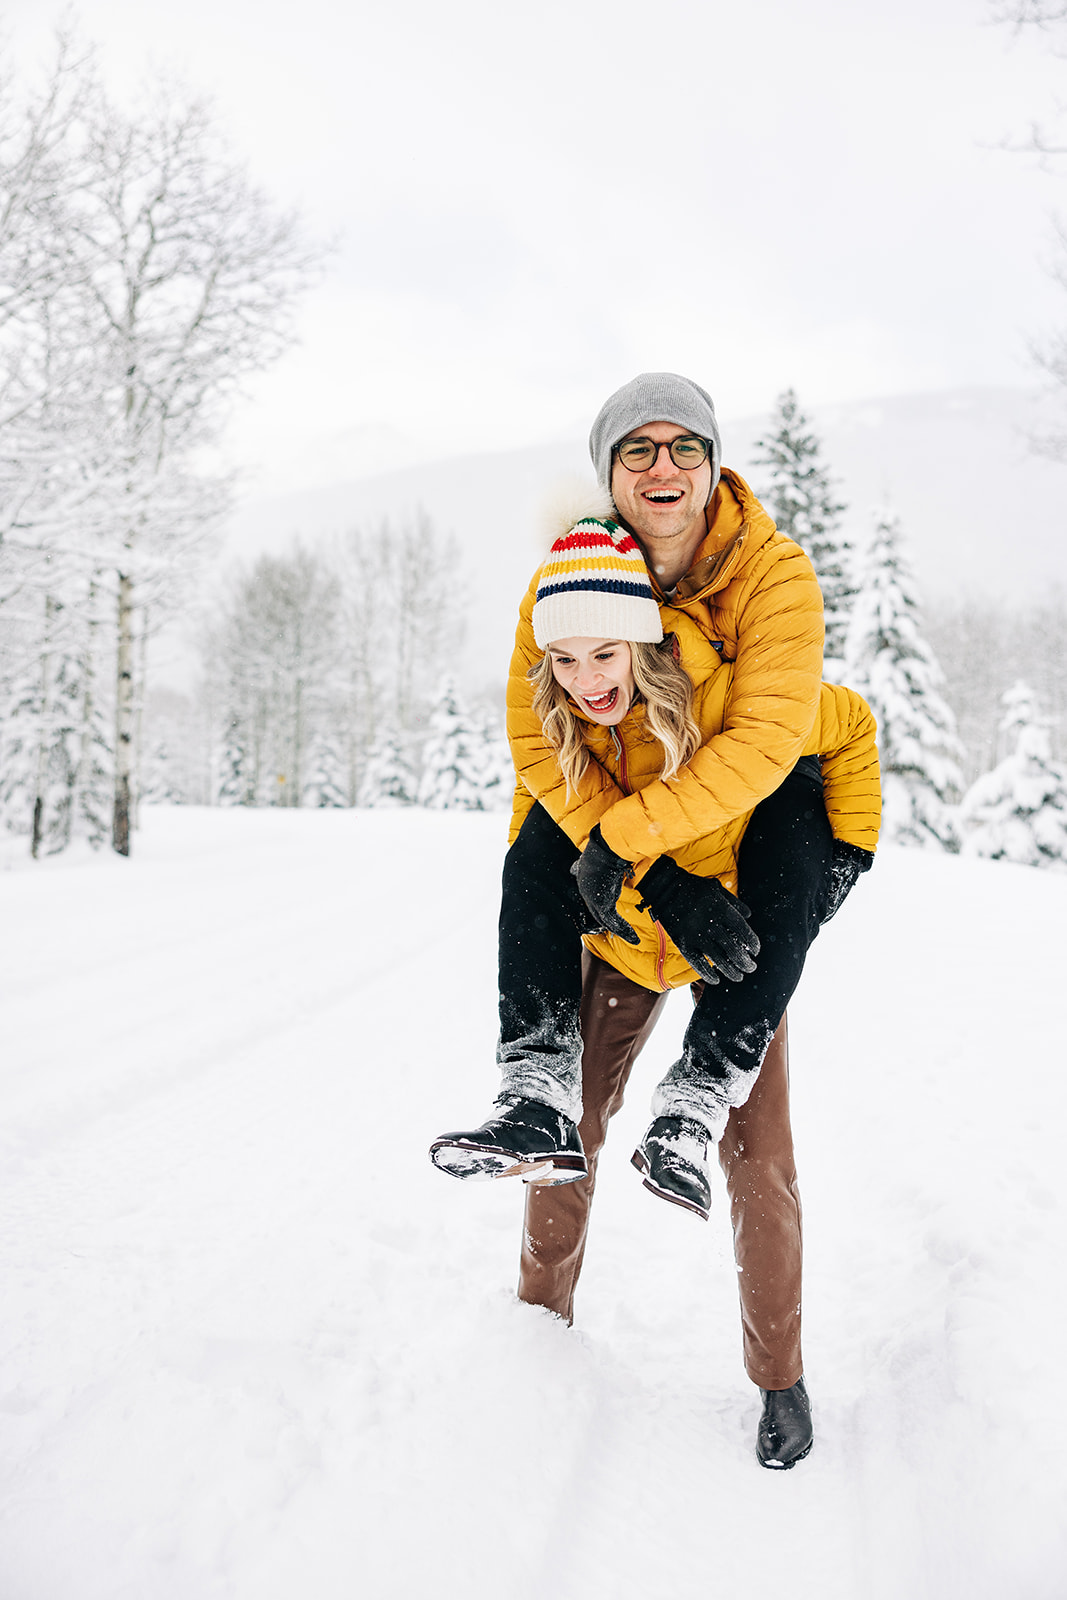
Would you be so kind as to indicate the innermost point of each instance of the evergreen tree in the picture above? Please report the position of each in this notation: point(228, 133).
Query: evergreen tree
point(799, 494)
point(160, 785)
point(498, 770)
point(1018, 812)
point(326, 787)
point(388, 778)
point(454, 758)
point(890, 662)
point(18, 755)
point(235, 783)
point(54, 753)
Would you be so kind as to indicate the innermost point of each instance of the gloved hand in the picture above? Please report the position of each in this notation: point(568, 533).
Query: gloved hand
point(707, 923)
point(846, 863)
point(601, 874)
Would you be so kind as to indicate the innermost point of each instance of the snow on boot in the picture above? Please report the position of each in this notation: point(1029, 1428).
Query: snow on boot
point(785, 1433)
point(528, 1140)
point(673, 1160)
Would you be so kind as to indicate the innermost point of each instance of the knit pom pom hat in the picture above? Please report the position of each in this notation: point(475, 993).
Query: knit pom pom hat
point(595, 585)
point(653, 397)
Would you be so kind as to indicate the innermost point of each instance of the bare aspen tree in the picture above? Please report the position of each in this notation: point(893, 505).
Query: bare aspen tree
point(192, 276)
point(142, 278)
point(1031, 13)
point(275, 654)
point(321, 659)
point(1049, 352)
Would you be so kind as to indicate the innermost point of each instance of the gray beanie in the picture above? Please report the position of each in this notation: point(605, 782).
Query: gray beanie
point(653, 397)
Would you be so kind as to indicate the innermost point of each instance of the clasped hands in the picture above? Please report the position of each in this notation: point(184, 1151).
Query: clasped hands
point(707, 923)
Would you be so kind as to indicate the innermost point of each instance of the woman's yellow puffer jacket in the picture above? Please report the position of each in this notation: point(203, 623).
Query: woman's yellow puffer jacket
point(631, 757)
point(753, 592)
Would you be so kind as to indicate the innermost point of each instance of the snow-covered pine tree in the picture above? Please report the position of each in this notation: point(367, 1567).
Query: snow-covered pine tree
point(389, 779)
point(453, 758)
point(157, 785)
point(1018, 812)
point(236, 778)
point(798, 491)
point(54, 756)
point(498, 782)
point(325, 788)
point(889, 661)
point(19, 719)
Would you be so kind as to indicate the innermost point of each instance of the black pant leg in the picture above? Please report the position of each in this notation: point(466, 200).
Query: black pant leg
point(542, 919)
point(783, 878)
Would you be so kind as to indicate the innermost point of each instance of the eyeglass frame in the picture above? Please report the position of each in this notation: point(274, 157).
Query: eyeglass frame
point(664, 444)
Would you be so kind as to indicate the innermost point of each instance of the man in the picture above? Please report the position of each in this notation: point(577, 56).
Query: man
point(714, 555)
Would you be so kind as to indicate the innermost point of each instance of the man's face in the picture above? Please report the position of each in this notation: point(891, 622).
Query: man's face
point(664, 503)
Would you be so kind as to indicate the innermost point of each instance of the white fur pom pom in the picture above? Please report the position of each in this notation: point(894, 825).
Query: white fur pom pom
point(570, 501)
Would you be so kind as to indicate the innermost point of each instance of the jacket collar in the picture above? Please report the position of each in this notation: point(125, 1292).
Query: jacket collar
point(737, 524)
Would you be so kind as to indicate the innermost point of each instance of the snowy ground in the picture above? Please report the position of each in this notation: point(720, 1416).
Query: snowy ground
point(254, 1345)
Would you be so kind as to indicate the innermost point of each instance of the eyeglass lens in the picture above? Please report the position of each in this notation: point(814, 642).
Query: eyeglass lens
point(689, 452)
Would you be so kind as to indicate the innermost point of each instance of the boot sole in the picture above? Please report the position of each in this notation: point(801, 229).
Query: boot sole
point(640, 1161)
point(784, 1466)
point(482, 1163)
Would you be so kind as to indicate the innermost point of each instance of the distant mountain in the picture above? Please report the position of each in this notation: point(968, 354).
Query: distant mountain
point(984, 516)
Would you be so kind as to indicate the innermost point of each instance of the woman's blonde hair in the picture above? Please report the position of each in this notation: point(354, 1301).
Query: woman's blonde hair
point(664, 686)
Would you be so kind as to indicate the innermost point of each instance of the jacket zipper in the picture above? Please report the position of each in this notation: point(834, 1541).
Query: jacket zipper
point(620, 753)
point(624, 784)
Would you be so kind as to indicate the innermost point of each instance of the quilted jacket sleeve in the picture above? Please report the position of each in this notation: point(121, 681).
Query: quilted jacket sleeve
point(769, 716)
point(844, 736)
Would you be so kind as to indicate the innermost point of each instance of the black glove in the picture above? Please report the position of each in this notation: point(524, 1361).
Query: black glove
point(846, 863)
point(601, 874)
point(706, 922)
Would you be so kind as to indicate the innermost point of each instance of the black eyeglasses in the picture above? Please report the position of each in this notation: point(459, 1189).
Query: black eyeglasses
point(689, 452)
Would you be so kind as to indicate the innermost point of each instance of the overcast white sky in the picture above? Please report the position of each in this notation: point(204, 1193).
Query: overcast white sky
point(536, 201)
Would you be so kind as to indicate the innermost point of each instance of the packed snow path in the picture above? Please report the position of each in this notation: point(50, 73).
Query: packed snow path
point(254, 1345)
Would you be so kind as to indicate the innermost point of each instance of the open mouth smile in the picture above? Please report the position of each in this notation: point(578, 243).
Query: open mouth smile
point(662, 497)
point(602, 702)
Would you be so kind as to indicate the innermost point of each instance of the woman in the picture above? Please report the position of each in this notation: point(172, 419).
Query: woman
point(610, 689)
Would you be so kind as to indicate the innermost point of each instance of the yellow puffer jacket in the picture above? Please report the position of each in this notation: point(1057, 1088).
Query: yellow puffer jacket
point(754, 592)
point(631, 758)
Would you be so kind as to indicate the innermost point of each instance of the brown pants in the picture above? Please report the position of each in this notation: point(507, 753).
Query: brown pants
point(755, 1153)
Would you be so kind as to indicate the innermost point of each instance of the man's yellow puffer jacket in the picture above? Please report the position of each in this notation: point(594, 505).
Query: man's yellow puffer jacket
point(631, 757)
point(753, 591)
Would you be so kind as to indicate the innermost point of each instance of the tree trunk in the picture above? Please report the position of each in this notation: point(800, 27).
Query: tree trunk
point(141, 687)
point(298, 744)
point(120, 826)
point(83, 779)
point(43, 730)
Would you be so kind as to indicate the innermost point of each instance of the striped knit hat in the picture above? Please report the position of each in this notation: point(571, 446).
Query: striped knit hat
point(595, 585)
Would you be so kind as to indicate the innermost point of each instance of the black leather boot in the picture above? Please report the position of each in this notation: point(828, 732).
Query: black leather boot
point(673, 1160)
point(528, 1140)
point(785, 1433)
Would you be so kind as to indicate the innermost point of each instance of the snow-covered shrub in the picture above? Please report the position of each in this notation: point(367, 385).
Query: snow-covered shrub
point(389, 779)
point(1018, 812)
point(462, 767)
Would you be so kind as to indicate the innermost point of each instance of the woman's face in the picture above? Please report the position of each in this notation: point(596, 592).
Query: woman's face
point(597, 675)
